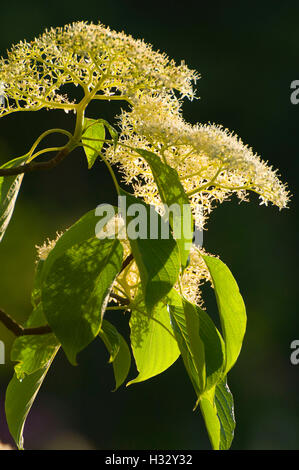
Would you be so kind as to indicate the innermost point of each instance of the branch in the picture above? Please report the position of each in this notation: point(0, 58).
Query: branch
point(120, 299)
point(126, 262)
point(19, 330)
point(33, 166)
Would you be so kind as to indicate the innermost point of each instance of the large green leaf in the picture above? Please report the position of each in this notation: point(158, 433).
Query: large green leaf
point(93, 129)
point(9, 189)
point(20, 395)
point(120, 356)
point(217, 407)
point(209, 413)
point(80, 231)
point(196, 344)
point(157, 259)
point(172, 194)
point(199, 324)
point(32, 352)
point(76, 290)
point(153, 345)
point(225, 412)
point(231, 308)
point(201, 345)
point(35, 355)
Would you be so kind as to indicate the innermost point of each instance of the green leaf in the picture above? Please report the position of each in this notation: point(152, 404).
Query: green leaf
point(36, 293)
point(20, 395)
point(112, 131)
point(157, 259)
point(32, 352)
point(225, 412)
point(35, 362)
point(76, 291)
point(153, 344)
point(209, 413)
point(9, 189)
point(120, 356)
point(82, 230)
point(212, 340)
point(201, 345)
point(231, 308)
point(93, 129)
point(172, 193)
point(196, 344)
point(217, 407)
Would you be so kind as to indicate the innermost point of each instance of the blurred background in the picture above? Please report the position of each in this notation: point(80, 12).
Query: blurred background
point(247, 55)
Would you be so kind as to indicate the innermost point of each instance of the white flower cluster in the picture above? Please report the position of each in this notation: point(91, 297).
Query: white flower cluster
point(103, 62)
point(212, 163)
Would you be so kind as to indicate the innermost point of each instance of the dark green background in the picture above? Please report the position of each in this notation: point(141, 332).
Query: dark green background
point(247, 54)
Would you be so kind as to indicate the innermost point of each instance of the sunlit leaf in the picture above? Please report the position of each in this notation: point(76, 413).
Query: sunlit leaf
point(32, 352)
point(172, 194)
point(120, 355)
point(9, 190)
point(231, 308)
point(217, 408)
point(34, 362)
point(76, 289)
point(20, 395)
point(201, 345)
point(93, 136)
point(154, 347)
point(80, 231)
point(157, 259)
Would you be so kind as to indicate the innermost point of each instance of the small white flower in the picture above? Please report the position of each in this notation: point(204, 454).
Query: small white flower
point(2, 93)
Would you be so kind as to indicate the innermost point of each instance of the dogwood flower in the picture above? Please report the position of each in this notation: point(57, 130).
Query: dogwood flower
point(105, 63)
point(212, 163)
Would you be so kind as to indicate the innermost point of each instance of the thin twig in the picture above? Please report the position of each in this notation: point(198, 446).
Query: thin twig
point(33, 166)
point(120, 299)
point(126, 262)
point(19, 330)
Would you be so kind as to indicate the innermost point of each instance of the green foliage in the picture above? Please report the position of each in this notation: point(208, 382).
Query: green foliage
point(34, 355)
point(120, 355)
point(9, 190)
point(72, 288)
point(20, 395)
point(201, 345)
point(93, 135)
point(207, 355)
point(172, 193)
point(76, 290)
point(81, 231)
point(71, 291)
point(231, 308)
point(157, 259)
point(217, 408)
point(153, 344)
point(151, 270)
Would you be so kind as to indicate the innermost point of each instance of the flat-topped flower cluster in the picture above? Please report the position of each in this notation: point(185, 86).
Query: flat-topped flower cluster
point(102, 61)
point(212, 163)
